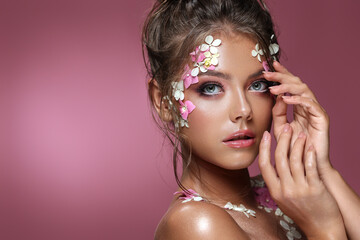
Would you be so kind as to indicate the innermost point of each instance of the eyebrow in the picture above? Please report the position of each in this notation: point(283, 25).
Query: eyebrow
point(226, 76)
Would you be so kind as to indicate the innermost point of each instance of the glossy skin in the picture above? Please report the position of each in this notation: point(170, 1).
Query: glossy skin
point(229, 102)
point(219, 173)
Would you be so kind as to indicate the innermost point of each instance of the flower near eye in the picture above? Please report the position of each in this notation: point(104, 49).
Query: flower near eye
point(257, 52)
point(197, 56)
point(211, 44)
point(178, 90)
point(188, 78)
point(211, 59)
point(186, 108)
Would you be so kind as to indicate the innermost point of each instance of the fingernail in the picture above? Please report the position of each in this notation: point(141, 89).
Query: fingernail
point(287, 127)
point(302, 135)
point(286, 97)
point(265, 72)
point(266, 136)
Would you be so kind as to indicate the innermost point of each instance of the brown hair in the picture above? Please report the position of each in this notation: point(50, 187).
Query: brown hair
point(174, 28)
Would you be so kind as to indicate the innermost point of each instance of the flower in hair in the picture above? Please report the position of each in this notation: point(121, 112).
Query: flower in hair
point(211, 60)
point(186, 108)
point(178, 90)
point(257, 52)
point(188, 78)
point(197, 56)
point(211, 44)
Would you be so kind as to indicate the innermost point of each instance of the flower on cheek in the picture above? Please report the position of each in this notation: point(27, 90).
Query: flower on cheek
point(186, 108)
point(178, 90)
point(188, 78)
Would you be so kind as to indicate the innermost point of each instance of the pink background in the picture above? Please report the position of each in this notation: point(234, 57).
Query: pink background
point(80, 157)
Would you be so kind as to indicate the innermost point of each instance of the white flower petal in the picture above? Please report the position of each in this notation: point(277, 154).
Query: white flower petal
point(272, 36)
point(216, 42)
point(284, 225)
point(229, 205)
point(295, 233)
point(182, 96)
point(278, 212)
point(274, 48)
point(195, 72)
point(207, 54)
point(181, 85)
point(257, 47)
point(259, 58)
point(289, 236)
point(254, 53)
point(197, 199)
point(213, 50)
point(209, 39)
point(289, 220)
point(261, 52)
point(214, 61)
point(269, 210)
point(204, 47)
point(203, 69)
point(187, 200)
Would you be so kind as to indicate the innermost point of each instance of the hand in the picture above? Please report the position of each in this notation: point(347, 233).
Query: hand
point(309, 116)
point(296, 187)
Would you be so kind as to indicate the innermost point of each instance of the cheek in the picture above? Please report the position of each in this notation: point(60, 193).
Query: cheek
point(262, 109)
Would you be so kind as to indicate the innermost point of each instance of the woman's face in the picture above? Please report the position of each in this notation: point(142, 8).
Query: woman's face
point(230, 101)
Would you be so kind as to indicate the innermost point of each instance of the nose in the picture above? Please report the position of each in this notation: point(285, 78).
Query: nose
point(240, 108)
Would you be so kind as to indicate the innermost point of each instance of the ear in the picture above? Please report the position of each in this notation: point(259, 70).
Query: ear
point(161, 105)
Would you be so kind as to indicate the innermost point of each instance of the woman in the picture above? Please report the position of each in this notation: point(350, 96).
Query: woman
point(216, 87)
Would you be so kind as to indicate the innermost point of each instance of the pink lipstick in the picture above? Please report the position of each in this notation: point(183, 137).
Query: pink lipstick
point(240, 139)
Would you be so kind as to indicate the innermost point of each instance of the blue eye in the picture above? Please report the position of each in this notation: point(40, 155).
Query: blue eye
point(259, 86)
point(210, 89)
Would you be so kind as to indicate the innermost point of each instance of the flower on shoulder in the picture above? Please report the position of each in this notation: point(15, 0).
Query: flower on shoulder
point(186, 108)
point(189, 195)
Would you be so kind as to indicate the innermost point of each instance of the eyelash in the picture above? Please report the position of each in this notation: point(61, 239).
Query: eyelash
point(263, 81)
point(202, 88)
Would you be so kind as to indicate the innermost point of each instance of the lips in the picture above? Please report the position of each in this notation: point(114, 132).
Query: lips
point(240, 139)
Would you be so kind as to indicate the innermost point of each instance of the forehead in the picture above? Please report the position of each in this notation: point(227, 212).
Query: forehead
point(235, 55)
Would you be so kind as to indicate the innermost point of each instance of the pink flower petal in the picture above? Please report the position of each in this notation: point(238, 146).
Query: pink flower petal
point(266, 66)
point(212, 67)
point(190, 106)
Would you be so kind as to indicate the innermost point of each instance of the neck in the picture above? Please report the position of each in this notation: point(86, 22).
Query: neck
point(219, 185)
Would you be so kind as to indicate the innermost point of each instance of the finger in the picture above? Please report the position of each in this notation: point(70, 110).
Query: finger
point(312, 175)
point(267, 170)
point(293, 89)
point(279, 116)
point(281, 77)
point(281, 154)
point(312, 107)
point(296, 159)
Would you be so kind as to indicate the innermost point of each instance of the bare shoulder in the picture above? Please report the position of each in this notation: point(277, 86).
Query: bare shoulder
point(198, 220)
